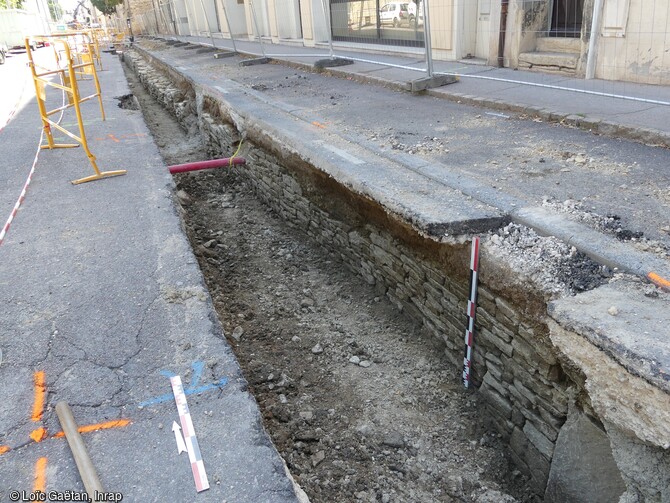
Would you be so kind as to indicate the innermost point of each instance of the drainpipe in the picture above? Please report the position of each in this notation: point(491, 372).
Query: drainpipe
point(503, 27)
point(593, 39)
point(214, 163)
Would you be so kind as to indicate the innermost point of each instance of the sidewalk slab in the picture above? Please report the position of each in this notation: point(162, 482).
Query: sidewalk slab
point(102, 293)
point(436, 209)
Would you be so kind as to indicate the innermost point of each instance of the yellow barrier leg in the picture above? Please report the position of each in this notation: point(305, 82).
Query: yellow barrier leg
point(99, 93)
point(50, 143)
point(40, 93)
point(98, 174)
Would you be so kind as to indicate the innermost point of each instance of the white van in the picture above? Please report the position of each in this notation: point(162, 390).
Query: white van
point(395, 14)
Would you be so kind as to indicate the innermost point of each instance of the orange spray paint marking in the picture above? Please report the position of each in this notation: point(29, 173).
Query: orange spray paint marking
point(40, 475)
point(658, 280)
point(39, 434)
point(113, 138)
point(119, 423)
point(40, 394)
point(318, 124)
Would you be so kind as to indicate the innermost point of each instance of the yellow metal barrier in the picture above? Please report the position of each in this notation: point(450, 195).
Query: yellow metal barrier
point(90, 51)
point(69, 85)
point(84, 48)
point(118, 39)
point(96, 34)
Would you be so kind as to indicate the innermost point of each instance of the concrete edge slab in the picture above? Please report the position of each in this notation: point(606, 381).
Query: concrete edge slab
point(619, 397)
point(255, 61)
point(439, 211)
point(621, 320)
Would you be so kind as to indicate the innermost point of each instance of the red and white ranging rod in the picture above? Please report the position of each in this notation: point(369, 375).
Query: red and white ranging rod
point(470, 314)
point(190, 440)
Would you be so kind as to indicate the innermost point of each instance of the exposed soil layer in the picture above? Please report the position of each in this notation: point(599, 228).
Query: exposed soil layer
point(359, 401)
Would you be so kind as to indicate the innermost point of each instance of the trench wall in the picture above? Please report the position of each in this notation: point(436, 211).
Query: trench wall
point(526, 394)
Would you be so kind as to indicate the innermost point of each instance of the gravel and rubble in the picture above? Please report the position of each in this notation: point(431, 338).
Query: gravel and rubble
point(549, 263)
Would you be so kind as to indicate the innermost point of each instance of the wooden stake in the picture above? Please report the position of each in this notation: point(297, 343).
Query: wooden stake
point(86, 469)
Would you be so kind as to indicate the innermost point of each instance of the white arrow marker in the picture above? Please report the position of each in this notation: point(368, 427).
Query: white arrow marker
point(181, 445)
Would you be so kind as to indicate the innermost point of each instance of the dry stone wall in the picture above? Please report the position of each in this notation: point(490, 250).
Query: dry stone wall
point(515, 368)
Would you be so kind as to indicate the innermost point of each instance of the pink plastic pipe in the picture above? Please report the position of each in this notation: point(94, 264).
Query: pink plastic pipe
point(214, 163)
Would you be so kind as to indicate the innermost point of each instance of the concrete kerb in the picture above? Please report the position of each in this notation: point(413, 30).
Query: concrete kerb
point(601, 248)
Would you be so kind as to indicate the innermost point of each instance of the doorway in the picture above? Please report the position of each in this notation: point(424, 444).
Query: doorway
point(566, 18)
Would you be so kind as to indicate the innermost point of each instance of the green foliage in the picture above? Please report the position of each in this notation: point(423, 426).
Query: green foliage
point(11, 4)
point(55, 10)
point(105, 6)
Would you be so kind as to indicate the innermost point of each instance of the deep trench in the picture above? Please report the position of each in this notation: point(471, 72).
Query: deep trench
point(357, 397)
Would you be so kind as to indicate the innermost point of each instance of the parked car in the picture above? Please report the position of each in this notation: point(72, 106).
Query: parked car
point(395, 14)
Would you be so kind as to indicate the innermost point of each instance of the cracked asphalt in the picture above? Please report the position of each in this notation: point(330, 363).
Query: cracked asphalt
point(101, 292)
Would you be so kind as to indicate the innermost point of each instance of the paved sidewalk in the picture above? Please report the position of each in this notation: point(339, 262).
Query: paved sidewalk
point(620, 109)
point(102, 301)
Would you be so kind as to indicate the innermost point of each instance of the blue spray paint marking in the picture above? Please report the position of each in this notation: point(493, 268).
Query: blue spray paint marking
point(193, 389)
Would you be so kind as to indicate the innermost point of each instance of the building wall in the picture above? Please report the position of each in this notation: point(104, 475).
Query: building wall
point(635, 47)
point(442, 28)
point(632, 43)
point(140, 14)
point(632, 39)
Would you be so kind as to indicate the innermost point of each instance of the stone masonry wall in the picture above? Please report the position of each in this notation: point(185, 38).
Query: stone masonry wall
point(525, 391)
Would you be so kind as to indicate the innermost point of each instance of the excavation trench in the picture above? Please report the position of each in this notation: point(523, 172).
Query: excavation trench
point(347, 322)
point(358, 398)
